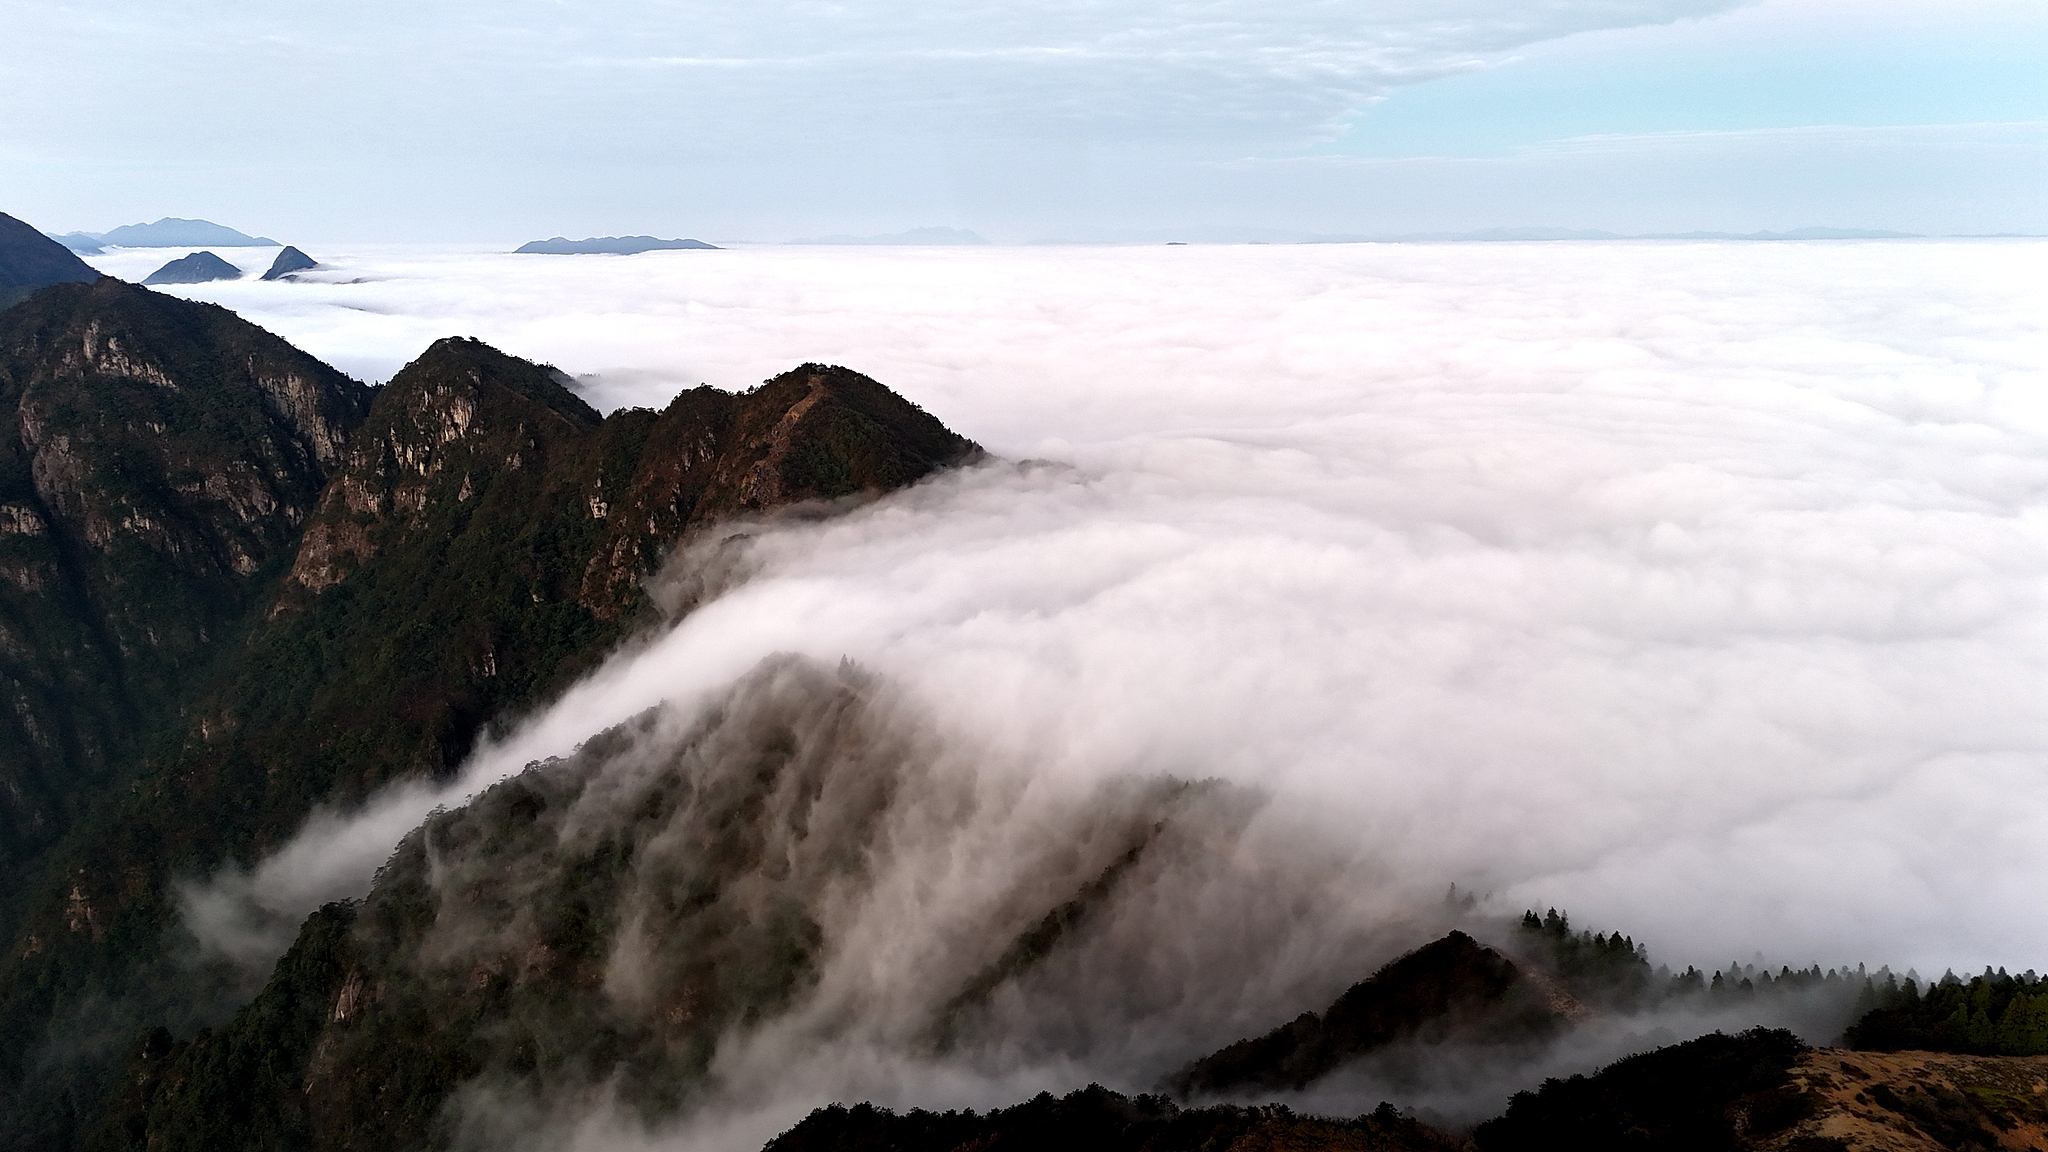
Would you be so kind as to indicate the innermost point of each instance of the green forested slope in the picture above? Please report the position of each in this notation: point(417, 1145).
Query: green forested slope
point(479, 540)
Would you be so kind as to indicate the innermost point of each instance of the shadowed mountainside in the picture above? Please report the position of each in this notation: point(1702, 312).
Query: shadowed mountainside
point(289, 261)
point(481, 539)
point(198, 268)
point(1452, 989)
point(609, 917)
point(1094, 1119)
point(1764, 1091)
point(31, 261)
point(157, 461)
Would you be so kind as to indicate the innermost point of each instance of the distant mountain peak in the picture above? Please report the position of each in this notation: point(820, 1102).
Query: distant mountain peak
point(609, 246)
point(174, 232)
point(83, 243)
point(288, 262)
point(198, 268)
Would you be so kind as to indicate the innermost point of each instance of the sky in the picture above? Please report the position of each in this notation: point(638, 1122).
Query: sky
point(1029, 120)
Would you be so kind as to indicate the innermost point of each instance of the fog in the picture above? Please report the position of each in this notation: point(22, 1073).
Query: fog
point(1694, 589)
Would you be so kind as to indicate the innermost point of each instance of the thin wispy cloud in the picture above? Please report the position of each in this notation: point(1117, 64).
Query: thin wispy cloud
point(453, 122)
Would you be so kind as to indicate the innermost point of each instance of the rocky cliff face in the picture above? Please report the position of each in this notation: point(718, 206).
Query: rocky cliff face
point(467, 433)
point(405, 576)
point(155, 456)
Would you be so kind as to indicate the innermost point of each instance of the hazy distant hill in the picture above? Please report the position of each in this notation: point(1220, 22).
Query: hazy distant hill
point(30, 261)
point(1523, 233)
point(1596, 234)
point(935, 236)
point(1794, 234)
point(171, 232)
point(198, 268)
point(83, 243)
point(609, 246)
point(1513, 234)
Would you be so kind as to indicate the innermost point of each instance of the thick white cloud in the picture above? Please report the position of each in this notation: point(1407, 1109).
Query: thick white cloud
point(1697, 588)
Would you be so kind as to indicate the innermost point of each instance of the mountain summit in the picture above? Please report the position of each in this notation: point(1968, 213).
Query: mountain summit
point(198, 268)
point(289, 262)
point(319, 600)
point(172, 232)
point(157, 456)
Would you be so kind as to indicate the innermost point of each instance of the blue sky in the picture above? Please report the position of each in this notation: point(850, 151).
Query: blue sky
point(1771, 66)
point(381, 119)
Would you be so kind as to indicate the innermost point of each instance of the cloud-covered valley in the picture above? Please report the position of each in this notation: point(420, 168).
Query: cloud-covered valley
point(1697, 589)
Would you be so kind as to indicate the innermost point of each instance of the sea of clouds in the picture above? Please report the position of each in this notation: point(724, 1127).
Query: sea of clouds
point(1694, 588)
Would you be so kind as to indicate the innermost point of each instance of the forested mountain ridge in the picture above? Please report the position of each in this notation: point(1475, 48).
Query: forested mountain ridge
point(157, 459)
point(264, 602)
point(1453, 988)
point(468, 544)
point(712, 851)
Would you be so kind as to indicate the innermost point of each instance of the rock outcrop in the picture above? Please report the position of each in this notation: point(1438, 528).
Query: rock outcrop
point(198, 268)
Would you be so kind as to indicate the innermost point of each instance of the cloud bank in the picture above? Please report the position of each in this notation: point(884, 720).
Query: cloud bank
point(1697, 589)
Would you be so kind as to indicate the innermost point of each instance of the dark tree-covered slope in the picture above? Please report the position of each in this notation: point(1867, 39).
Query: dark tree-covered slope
point(157, 460)
point(1095, 1119)
point(1764, 1091)
point(30, 261)
point(1453, 988)
point(483, 538)
point(608, 918)
point(1989, 1015)
point(1713, 1094)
